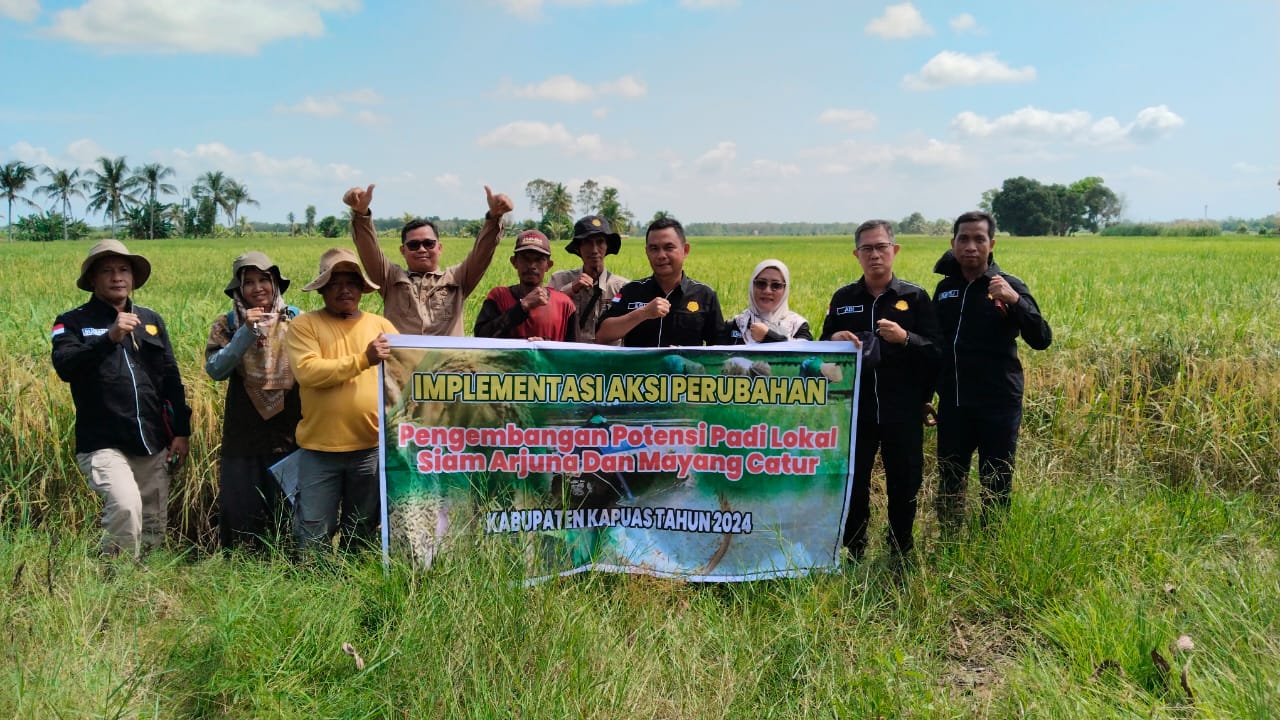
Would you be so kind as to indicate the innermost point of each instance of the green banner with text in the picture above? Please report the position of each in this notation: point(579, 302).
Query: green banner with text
point(709, 464)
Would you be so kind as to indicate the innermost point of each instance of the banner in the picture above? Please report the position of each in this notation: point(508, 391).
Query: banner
point(708, 464)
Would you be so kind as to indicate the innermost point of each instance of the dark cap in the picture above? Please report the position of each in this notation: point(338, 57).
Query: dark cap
point(594, 225)
point(533, 241)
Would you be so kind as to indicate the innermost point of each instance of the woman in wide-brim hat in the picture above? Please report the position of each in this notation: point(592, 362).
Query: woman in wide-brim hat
point(246, 347)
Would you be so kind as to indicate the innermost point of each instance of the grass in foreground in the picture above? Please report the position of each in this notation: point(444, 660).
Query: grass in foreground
point(1056, 612)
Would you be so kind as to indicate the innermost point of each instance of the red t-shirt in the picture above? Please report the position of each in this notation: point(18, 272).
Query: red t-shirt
point(553, 321)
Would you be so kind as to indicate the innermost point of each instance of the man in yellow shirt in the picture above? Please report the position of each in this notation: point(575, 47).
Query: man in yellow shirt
point(334, 353)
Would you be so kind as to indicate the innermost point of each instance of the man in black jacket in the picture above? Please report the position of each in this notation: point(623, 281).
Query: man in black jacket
point(892, 321)
point(982, 312)
point(132, 419)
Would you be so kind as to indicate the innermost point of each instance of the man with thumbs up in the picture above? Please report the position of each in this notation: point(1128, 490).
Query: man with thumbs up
point(424, 298)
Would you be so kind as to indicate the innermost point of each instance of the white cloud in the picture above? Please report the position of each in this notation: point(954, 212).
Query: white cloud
point(448, 180)
point(852, 120)
point(600, 113)
point(256, 165)
point(964, 23)
point(625, 86)
point(320, 107)
point(85, 152)
point(562, 88)
point(532, 9)
point(949, 68)
point(1035, 124)
point(718, 158)
point(1240, 166)
point(566, 88)
point(24, 151)
point(850, 156)
point(370, 118)
point(707, 4)
point(528, 134)
point(234, 27)
point(20, 10)
point(327, 106)
point(899, 21)
point(766, 169)
point(1155, 122)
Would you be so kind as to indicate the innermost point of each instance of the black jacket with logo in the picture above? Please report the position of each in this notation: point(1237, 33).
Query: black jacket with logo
point(120, 389)
point(694, 319)
point(899, 384)
point(980, 366)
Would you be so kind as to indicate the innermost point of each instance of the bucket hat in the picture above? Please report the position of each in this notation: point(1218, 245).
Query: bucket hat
point(594, 225)
point(111, 246)
point(258, 261)
point(339, 260)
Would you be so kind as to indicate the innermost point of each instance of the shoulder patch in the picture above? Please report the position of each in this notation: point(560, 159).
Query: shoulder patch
point(57, 330)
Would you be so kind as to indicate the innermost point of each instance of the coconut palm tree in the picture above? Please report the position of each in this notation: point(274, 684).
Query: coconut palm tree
point(214, 185)
point(151, 178)
point(292, 225)
point(237, 195)
point(110, 184)
point(63, 185)
point(14, 177)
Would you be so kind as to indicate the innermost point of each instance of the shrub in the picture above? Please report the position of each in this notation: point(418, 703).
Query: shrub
point(48, 227)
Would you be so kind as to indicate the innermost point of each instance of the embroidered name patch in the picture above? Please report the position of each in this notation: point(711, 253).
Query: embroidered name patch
point(849, 310)
point(93, 332)
point(949, 294)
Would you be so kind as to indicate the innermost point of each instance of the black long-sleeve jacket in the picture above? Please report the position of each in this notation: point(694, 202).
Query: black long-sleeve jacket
point(980, 366)
point(120, 389)
point(899, 385)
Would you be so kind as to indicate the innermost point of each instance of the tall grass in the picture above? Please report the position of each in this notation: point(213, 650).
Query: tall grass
point(1144, 509)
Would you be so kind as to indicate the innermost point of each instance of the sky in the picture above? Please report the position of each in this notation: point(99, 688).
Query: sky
point(712, 110)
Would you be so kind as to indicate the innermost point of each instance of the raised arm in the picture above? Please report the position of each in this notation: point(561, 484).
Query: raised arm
point(364, 235)
point(477, 261)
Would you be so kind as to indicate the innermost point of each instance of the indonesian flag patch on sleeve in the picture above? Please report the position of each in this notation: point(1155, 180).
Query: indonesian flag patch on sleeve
point(58, 329)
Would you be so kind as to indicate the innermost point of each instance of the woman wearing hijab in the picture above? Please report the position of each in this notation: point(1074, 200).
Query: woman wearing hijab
point(767, 317)
point(247, 348)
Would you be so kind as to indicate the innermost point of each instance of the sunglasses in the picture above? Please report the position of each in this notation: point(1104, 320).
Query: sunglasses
point(413, 245)
point(773, 285)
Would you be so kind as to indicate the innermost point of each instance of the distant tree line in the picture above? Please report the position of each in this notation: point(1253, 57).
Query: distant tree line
point(555, 207)
point(1024, 206)
point(130, 200)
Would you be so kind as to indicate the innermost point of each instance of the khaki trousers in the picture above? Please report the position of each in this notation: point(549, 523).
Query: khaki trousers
point(135, 498)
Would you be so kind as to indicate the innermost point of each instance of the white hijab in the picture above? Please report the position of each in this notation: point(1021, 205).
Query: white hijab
point(781, 320)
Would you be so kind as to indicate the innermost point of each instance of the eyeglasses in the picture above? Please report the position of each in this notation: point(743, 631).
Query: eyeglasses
point(877, 249)
point(773, 285)
point(413, 245)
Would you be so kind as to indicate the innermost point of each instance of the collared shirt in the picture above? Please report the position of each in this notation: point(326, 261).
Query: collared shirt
point(901, 379)
point(694, 319)
point(502, 316)
point(424, 303)
point(591, 305)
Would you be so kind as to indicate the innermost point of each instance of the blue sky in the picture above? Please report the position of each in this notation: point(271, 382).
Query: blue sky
point(744, 110)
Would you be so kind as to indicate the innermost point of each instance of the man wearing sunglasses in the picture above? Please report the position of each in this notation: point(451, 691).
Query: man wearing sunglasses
point(892, 321)
point(422, 298)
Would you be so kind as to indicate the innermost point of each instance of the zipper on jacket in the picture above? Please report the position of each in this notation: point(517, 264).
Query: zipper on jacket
point(137, 402)
point(663, 319)
point(875, 373)
point(955, 357)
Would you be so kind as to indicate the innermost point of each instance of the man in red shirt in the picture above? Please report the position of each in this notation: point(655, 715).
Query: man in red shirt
point(528, 310)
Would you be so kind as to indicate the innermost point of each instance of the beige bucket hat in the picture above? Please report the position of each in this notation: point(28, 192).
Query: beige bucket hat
point(258, 261)
point(103, 248)
point(339, 260)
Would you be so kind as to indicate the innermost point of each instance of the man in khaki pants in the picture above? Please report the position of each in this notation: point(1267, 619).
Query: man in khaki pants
point(132, 418)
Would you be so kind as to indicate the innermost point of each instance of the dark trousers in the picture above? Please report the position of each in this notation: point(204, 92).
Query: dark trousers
point(249, 499)
point(337, 491)
point(901, 447)
point(995, 436)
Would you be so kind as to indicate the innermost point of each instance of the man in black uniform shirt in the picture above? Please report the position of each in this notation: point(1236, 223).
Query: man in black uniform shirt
point(667, 308)
point(982, 311)
point(893, 322)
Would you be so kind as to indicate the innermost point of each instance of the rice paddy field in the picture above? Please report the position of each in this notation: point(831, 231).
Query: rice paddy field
point(1136, 575)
